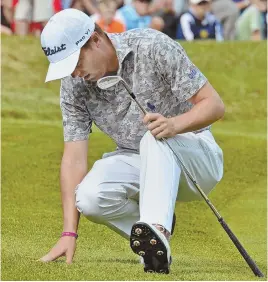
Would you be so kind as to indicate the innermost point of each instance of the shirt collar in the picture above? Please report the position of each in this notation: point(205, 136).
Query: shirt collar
point(122, 49)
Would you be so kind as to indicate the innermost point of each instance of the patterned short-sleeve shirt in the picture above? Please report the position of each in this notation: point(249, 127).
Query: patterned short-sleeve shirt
point(159, 73)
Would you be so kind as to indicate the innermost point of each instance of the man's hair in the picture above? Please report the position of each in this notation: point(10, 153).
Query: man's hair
point(99, 30)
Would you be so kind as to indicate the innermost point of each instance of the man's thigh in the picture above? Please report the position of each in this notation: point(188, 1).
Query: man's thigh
point(123, 170)
point(203, 158)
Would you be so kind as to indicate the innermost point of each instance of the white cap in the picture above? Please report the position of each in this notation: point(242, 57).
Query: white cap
point(62, 39)
point(198, 1)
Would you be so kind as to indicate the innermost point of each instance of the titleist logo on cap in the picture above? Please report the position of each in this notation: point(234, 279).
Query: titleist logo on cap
point(51, 51)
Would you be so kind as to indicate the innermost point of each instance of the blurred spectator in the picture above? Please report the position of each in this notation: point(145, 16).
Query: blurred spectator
point(90, 7)
point(242, 5)
point(6, 16)
point(168, 14)
point(180, 6)
point(27, 11)
point(250, 26)
point(264, 24)
point(65, 4)
point(120, 3)
point(87, 6)
point(136, 15)
point(199, 23)
point(106, 17)
point(227, 13)
point(156, 6)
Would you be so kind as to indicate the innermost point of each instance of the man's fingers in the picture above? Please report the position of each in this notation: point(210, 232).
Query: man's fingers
point(157, 130)
point(150, 117)
point(53, 255)
point(69, 256)
point(46, 258)
point(154, 124)
point(162, 134)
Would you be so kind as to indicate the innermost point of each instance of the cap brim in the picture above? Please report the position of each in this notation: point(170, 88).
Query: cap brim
point(63, 68)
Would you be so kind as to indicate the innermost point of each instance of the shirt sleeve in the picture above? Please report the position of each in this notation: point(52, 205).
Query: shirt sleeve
point(185, 22)
point(255, 21)
point(76, 118)
point(174, 66)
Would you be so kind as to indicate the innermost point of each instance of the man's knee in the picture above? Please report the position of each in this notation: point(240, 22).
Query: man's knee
point(100, 202)
point(88, 202)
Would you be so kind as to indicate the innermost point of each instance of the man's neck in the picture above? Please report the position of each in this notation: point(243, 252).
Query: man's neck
point(113, 59)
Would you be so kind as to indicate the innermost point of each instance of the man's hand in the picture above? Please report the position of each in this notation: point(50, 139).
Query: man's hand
point(160, 126)
point(65, 247)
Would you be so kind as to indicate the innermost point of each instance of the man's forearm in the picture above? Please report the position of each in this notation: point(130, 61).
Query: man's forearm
point(201, 115)
point(71, 176)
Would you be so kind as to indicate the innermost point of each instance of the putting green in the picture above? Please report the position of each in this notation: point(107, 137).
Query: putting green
point(31, 153)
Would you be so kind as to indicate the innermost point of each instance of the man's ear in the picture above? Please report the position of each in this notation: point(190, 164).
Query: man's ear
point(95, 37)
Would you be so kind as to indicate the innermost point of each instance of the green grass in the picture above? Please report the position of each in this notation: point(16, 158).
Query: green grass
point(31, 152)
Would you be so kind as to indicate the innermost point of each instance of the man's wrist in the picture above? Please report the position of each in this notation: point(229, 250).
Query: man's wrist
point(177, 125)
point(182, 124)
point(69, 234)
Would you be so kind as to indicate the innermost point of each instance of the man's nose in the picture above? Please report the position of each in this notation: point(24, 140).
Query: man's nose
point(75, 73)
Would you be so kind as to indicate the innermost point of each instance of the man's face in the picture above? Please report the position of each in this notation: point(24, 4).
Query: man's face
point(93, 62)
point(142, 7)
point(202, 8)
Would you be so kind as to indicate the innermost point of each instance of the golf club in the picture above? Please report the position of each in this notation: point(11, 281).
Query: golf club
point(109, 81)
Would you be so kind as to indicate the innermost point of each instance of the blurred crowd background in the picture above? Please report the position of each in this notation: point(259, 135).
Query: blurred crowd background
point(180, 19)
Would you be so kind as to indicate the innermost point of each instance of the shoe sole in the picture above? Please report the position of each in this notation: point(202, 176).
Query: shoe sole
point(146, 243)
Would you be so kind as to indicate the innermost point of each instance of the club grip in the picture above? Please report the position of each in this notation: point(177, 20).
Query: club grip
point(241, 249)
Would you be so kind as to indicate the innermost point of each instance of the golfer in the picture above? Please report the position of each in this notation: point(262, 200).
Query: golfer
point(134, 189)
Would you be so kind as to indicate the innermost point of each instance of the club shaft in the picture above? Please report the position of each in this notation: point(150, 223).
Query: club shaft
point(241, 249)
point(227, 229)
point(214, 210)
point(133, 96)
point(229, 232)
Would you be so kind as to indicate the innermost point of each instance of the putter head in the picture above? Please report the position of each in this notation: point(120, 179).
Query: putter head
point(108, 81)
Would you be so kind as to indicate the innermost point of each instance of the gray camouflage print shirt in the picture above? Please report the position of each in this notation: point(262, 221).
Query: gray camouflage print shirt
point(159, 72)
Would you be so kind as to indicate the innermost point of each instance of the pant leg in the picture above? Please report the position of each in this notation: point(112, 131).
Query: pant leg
point(159, 181)
point(43, 10)
point(161, 174)
point(227, 13)
point(204, 160)
point(109, 193)
point(24, 11)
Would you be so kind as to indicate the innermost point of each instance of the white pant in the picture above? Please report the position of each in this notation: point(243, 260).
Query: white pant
point(34, 10)
point(124, 188)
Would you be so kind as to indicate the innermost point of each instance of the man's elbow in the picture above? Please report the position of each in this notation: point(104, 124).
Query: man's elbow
point(220, 109)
